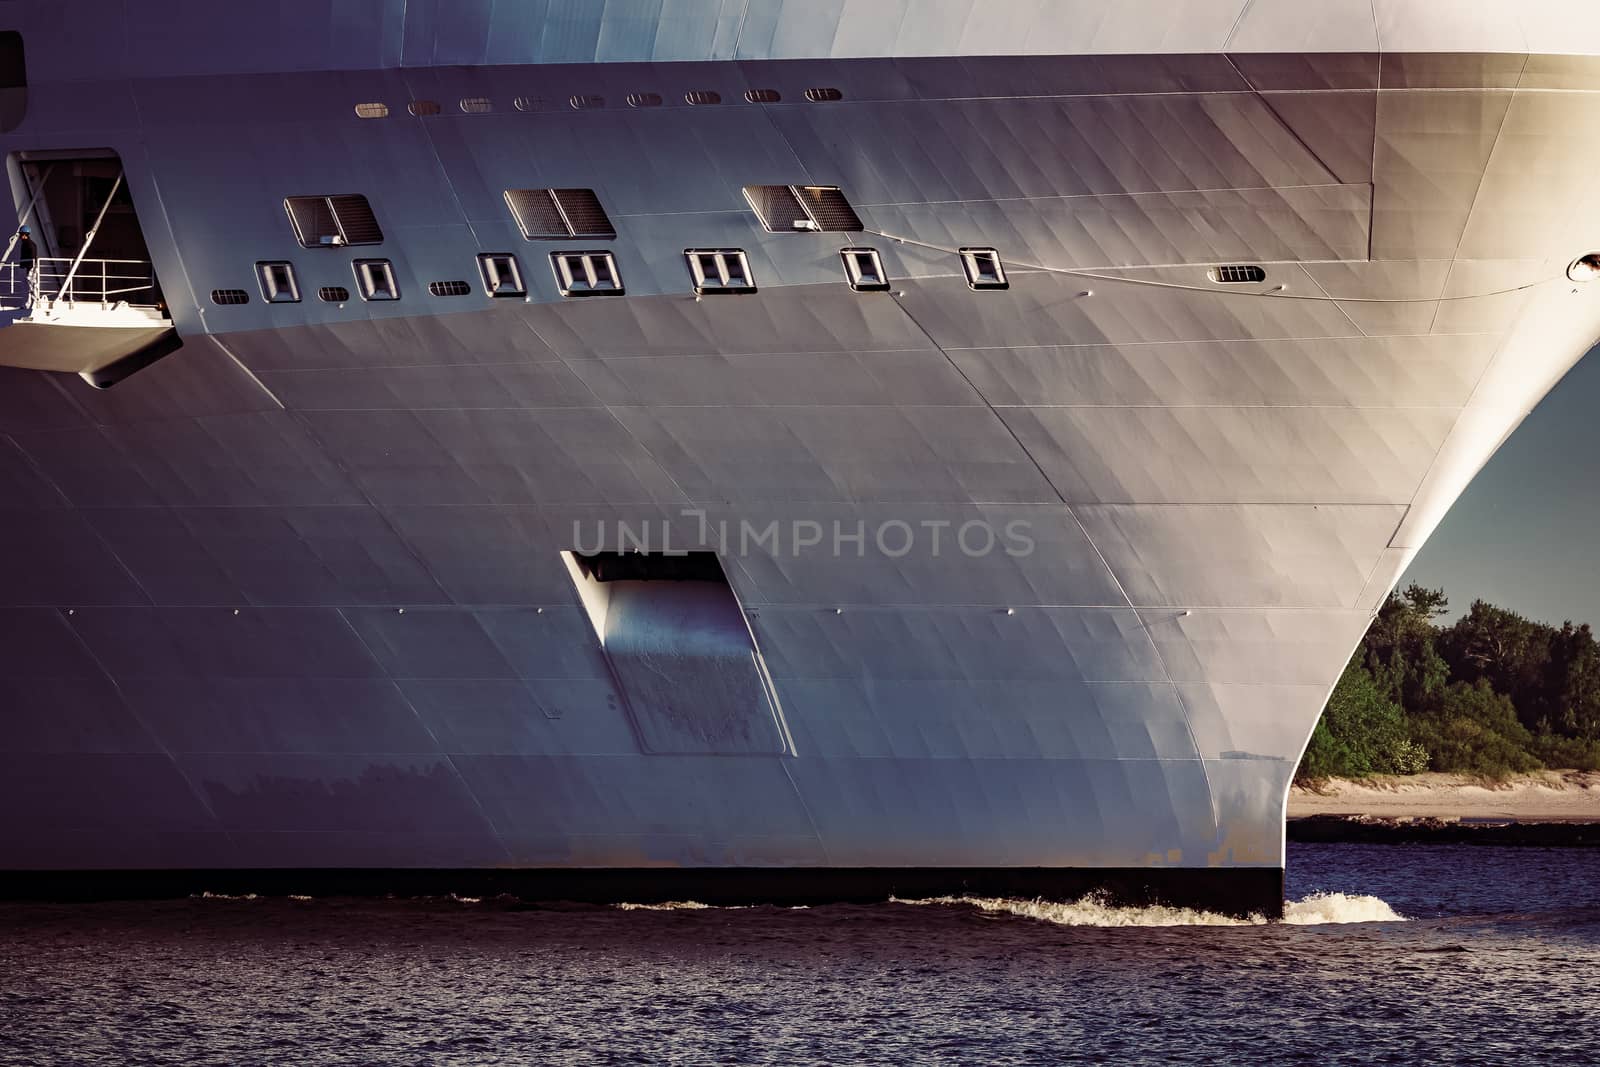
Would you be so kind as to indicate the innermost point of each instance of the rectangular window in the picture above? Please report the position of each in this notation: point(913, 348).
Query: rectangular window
point(586, 273)
point(502, 274)
point(278, 285)
point(332, 221)
point(375, 279)
point(559, 214)
point(803, 208)
point(719, 270)
point(983, 267)
point(864, 269)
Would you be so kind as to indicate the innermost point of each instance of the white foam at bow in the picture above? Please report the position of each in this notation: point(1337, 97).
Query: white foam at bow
point(1094, 910)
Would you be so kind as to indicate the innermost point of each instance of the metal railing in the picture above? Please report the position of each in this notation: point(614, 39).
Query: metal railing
point(14, 292)
point(95, 281)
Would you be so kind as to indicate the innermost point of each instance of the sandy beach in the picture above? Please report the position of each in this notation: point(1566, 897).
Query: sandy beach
point(1561, 796)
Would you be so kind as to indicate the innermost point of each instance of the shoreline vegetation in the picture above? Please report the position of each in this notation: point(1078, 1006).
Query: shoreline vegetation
point(1540, 797)
point(1493, 697)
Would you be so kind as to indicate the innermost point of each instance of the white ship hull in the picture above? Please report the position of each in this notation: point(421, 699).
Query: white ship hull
point(294, 597)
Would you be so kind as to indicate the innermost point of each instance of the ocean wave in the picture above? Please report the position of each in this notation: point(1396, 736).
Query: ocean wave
point(1320, 908)
point(1097, 910)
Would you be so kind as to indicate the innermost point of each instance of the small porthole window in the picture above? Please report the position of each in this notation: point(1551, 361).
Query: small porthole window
point(228, 297)
point(278, 285)
point(1239, 274)
point(644, 99)
point(502, 274)
point(697, 97)
point(763, 96)
point(586, 102)
point(423, 107)
point(527, 103)
point(863, 268)
point(1586, 269)
point(719, 270)
point(586, 273)
point(372, 111)
point(449, 288)
point(477, 105)
point(375, 279)
point(333, 294)
point(984, 269)
point(823, 95)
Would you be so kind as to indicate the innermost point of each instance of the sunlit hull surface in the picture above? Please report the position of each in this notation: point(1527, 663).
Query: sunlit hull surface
point(294, 596)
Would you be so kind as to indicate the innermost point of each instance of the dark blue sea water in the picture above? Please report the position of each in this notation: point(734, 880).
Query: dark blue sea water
point(1496, 961)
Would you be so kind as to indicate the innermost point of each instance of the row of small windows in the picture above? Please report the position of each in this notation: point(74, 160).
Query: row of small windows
point(482, 105)
point(568, 214)
point(564, 214)
point(592, 273)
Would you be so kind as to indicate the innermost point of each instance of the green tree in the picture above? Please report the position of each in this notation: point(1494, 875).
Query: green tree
point(1572, 683)
point(1508, 651)
point(1361, 733)
point(1399, 646)
point(1472, 729)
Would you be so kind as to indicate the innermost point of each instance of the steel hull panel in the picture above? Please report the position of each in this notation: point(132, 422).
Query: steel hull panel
point(1054, 579)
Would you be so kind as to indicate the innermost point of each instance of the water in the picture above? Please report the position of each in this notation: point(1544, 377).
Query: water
point(1496, 960)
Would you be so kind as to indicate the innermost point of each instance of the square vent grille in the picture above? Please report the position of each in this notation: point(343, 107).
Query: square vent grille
point(557, 214)
point(333, 221)
point(803, 209)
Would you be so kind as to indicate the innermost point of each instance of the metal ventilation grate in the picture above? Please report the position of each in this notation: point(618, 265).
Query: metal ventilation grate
point(644, 99)
point(449, 288)
point(356, 220)
point(527, 103)
point(372, 111)
point(229, 296)
point(423, 107)
point(556, 214)
point(585, 216)
point(536, 214)
point(803, 208)
point(1238, 274)
point(477, 105)
point(333, 294)
point(331, 221)
point(823, 95)
point(778, 207)
point(829, 208)
point(763, 96)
